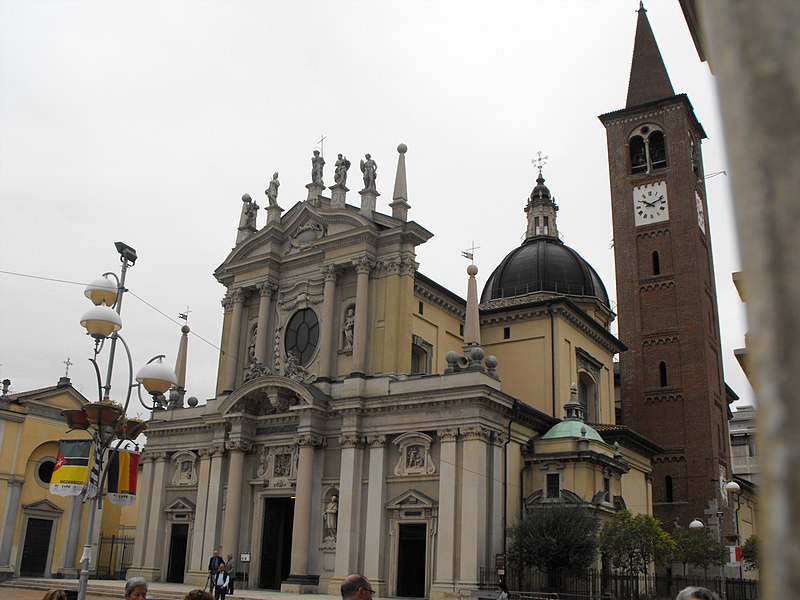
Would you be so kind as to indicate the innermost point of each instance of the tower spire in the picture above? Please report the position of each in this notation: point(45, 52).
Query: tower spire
point(649, 80)
point(541, 206)
point(400, 197)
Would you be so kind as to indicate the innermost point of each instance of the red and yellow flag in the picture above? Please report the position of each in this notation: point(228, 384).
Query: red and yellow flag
point(122, 476)
point(71, 468)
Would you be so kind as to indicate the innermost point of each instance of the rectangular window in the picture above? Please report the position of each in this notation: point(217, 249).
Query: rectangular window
point(553, 485)
point(461, 330)
point(536, 225)
point(607, 489)
point(506, 333)
point(421, 307)
point(546, 225)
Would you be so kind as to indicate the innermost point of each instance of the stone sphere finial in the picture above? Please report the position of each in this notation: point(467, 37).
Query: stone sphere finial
point(402, 148)
point(477, 353)
point(185, 329)
point(192, 401)
point(246, 197)
point(472, 270)
point(491, 361)
point(451, 357)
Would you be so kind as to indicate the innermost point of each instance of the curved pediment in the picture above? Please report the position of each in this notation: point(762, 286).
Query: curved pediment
point(273, 394)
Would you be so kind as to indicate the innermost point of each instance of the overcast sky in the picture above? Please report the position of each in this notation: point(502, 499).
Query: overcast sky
point(146, 121)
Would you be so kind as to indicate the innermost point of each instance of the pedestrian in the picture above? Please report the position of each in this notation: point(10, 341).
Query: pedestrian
point(696, 593)
point(198, 595)
point(220, 583)
point(136, 589)
point(230, 571)
point(503, 591)
point(357, 587)
point(55, 595)
point(213, 565)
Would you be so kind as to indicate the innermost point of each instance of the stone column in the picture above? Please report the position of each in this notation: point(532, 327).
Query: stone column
point(498, 484)
point(445, 547)
point(363, 267)
point(234, 337)
point(474, 519)
point(10, 522)
point(153, 554)
point(146, 494)
point(266, 292)
point(197, 557)
point(233, 500)
point(348, 524)
point(376, 514)
point(329, 334)
point(68, 564)
point(213, 505)
point(300, 580)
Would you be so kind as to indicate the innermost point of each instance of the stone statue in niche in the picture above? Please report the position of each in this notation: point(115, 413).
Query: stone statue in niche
point(369, 169)
point(414, 459)
point(185, 473)
point(331, 517)
point(349, 327)
point(251, 346)
point(317, 163)
point(272, 190)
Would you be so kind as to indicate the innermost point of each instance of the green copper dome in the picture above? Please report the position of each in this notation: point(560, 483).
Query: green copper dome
point(571, 428)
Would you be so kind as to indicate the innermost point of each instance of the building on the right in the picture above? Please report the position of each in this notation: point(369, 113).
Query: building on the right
point(672, 388)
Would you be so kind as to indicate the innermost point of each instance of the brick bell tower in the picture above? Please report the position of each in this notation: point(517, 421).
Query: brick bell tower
point(672, 385)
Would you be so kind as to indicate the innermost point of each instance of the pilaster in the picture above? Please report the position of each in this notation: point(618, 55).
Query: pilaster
point(376, 514)
point(473, 505)
point(448, 510)
point(347, 530)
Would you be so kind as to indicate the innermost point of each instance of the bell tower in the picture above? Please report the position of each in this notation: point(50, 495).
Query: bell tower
point(672, 385)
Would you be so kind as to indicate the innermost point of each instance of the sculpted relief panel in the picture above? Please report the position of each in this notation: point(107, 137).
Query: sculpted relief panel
point(277, 465)
point(415, 454)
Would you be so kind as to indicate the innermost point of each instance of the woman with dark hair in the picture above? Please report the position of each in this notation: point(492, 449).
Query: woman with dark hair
point(198, 595)
point(55, 595)
point(503, 591)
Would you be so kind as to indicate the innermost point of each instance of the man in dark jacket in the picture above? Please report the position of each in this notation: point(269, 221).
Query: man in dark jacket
point(213, 564)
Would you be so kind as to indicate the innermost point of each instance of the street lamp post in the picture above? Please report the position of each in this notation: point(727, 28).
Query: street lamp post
point(734, 488)
point(105, 420)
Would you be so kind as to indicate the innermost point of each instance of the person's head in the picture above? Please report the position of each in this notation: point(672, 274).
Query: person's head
point(55, 595)
point(136, 589)
point(502, 587)
point(221, 567)
point(357, 587)
point(216, 553)
point(696, 593)
point(230, 556)
point(198, 595)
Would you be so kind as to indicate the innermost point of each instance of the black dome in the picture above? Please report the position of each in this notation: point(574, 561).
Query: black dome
point(544, 264)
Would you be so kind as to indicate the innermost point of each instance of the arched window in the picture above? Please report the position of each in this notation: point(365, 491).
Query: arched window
point(638, 155)
point(587, 396)
point(648, 150)
point(656, 263)
point(668, 486)
point(662, 372)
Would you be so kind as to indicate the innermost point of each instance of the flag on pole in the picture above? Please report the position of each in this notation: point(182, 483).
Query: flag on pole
point(71, 468)
point(122, 476)
point(94, 474)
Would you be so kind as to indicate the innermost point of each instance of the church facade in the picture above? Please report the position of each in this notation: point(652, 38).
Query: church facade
point(367, 419)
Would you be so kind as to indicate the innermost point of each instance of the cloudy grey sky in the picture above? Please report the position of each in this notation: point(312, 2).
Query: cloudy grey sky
point(146, 121)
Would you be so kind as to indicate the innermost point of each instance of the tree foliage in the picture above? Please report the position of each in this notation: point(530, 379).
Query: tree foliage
point(554, 537)
point(632, 542)
point(750, 553)
point(696, 548)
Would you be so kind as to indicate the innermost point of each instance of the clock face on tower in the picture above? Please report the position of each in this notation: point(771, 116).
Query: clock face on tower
point(650, 203)
point(701, 217)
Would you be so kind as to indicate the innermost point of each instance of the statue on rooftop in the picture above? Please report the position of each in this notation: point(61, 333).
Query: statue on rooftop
point(340, 170)
point(272, 190)
point(317, 162)
point(369, 168)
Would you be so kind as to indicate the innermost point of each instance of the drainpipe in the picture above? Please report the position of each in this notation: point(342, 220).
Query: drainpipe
point(505, 473)
point(553, 359)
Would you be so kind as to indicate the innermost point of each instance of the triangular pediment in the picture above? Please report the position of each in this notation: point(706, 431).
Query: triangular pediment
point(180, 505)
point(411, 499)
point(42, 506)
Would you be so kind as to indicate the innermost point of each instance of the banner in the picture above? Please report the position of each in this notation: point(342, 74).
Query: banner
point(71, 468)
point(122, 475)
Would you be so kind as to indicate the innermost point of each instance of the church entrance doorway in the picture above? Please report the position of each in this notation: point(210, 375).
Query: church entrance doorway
point(411, 559)
point(36, 548)
point(276, 542)
point(177, 553)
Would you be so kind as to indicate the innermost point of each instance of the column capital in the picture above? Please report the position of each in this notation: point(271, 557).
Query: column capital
point(351, 441)
point(267, 288)
point(330, 272)
point(157, 455)
point(205, 452)
point(239, 446)
point(499, 438)
point(393, 265)
point(308, 439)
point(364, 264)
point(447, 434)
point(476, 432)
point(240, 294)
point(408, 266)
point(376, 441)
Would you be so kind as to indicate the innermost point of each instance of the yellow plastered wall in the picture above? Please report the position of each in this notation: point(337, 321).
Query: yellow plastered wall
point(438, 327)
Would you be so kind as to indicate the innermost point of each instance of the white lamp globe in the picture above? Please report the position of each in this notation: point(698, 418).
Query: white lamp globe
point(156, 377)
point(102, 290)
point(696, 525)
point(101, 321)
point(732, 487)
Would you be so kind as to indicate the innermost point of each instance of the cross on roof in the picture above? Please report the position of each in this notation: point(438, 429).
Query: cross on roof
point(540, 161)
point(69, 363)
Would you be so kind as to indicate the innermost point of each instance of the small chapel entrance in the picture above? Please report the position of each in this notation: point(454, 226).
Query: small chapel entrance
point(276, 542)
point(411, 560)
point(36, 548)
point(177, 553)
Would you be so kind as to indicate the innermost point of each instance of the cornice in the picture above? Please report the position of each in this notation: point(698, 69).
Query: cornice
point(439, 300)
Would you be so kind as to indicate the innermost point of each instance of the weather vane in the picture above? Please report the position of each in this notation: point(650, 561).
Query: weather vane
point(469, 253)
point(69, 363)
point(540, 161)
point(185, 315)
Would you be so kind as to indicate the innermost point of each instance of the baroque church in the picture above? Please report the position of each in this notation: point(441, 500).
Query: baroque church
point(367, 419)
